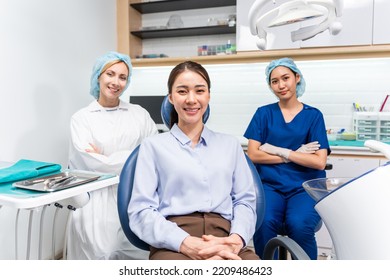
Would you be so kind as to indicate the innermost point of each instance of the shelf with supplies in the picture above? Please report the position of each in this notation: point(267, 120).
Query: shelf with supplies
point(133, 30)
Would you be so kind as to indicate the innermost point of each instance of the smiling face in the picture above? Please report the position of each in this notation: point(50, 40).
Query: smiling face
point(190, 97)
point(112, 82)
point(283, 82)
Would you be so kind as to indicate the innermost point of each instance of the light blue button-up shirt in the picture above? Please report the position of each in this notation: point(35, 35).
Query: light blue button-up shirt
point(174, 179)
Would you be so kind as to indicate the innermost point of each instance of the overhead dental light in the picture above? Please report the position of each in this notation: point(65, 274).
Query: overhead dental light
point(292, 12)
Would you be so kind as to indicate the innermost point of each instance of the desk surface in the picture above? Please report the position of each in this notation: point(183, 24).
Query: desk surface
point(25, 199)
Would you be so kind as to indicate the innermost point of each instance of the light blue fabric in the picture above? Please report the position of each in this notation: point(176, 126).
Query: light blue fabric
point(99, 65)
point(289, 63)
point(25, 169)
point(172, 178)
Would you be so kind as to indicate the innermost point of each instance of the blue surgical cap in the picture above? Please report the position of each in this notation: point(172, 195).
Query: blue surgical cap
point(289, 63)
point(99, 65)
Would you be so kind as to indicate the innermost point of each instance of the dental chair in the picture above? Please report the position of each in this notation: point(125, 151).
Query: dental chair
point(125, 187)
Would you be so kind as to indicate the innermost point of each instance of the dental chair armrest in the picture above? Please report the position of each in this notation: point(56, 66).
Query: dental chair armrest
point(296, 251)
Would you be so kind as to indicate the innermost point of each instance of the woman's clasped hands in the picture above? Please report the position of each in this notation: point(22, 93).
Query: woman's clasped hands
point(210, 247)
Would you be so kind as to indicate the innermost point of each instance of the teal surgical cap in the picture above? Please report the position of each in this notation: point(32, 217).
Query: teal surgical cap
point(289, 63)
point(99, 65)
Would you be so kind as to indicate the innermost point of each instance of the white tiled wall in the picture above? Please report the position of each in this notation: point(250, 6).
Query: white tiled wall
point(238, 89)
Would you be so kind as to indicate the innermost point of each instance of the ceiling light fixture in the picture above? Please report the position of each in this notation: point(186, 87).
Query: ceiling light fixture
point(292, 12)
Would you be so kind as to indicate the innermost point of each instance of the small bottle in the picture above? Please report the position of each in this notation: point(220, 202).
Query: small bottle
point(204, 50)
point(199, 50)
point(228, 47)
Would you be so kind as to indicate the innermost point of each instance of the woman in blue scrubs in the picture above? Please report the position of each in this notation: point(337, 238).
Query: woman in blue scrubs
point(287, 141)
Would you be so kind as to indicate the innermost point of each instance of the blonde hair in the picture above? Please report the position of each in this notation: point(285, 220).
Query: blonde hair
point(110, 63)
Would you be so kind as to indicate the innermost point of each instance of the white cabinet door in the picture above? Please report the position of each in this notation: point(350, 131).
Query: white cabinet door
point(357, 21)
point(381, 34)
point(350, 166)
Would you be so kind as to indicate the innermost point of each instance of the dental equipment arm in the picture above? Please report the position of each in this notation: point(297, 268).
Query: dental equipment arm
point(378, 146)
point(308, 32)
point(258, 19)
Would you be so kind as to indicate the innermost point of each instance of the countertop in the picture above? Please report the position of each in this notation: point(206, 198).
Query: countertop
point(351, 147)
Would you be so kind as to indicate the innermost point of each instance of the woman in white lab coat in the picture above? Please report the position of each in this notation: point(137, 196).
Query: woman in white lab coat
point(103, 135)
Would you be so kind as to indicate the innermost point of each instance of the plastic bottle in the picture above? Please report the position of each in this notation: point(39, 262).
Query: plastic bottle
point(228, 47)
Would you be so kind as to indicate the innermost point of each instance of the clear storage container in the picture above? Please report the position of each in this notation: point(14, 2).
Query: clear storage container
point(365, 125)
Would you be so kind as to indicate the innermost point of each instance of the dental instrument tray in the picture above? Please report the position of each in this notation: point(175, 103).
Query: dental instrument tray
point(56, 182)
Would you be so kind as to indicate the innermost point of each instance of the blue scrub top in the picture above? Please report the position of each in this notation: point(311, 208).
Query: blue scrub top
point(269, 126)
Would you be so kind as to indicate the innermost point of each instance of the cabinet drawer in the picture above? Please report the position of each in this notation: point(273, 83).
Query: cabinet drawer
point(362, 137)
point(366, 122)
point(385, 130)
point(384, 137)
point(365, 129)
point(385, 123)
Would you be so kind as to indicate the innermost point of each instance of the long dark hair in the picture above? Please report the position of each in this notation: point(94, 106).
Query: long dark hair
point(180, 68)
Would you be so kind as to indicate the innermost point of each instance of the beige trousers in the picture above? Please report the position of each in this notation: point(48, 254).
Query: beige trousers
point(198, 224)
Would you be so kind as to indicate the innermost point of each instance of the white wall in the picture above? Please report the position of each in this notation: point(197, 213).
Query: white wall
point(238, 89)
point(47, 51)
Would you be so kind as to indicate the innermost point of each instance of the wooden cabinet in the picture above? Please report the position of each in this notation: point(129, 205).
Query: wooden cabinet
point(177, 5)
point(129, 19)
point(137, 33)
point(351, 166)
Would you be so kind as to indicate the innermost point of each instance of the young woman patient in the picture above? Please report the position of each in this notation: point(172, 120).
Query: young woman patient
point(193, 194)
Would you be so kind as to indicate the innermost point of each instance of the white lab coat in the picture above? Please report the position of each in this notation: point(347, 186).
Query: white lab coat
point(94, 231)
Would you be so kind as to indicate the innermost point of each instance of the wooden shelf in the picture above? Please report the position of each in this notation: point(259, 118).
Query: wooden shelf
point(348, 52)
point(176, 5)
point(180, 32)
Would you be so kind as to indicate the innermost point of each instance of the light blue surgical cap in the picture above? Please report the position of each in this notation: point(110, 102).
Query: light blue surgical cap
point(99, 65)
point(289, 63)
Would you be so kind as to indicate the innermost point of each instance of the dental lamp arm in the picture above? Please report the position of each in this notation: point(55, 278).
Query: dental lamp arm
point(308, 32)
point(254, 14)
point(261, 41)
point(339, 7)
